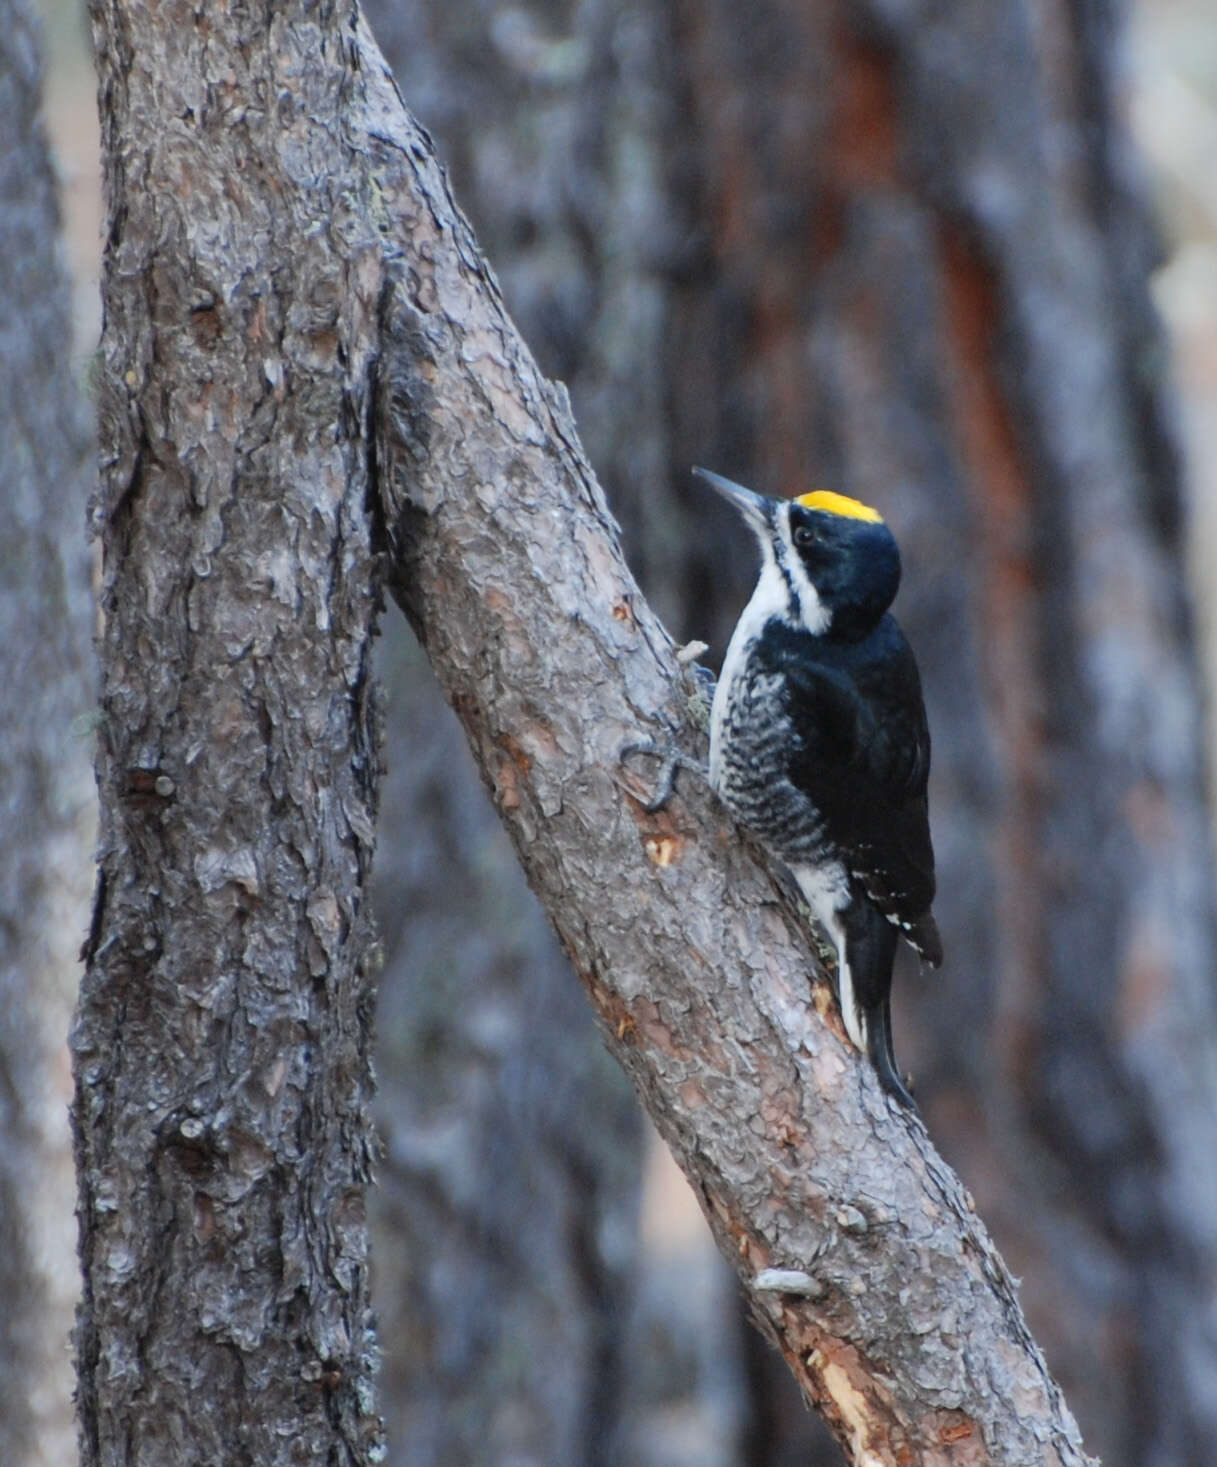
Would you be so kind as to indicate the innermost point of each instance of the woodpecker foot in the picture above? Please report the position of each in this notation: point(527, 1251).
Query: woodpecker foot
point(671, 761)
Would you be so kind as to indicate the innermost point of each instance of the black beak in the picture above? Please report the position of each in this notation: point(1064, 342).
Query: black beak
point(755, 508)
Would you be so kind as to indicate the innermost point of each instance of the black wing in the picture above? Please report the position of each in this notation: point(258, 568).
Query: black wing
point(861, 754)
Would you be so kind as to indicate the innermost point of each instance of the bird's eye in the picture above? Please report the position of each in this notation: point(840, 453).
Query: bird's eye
point(803, 537)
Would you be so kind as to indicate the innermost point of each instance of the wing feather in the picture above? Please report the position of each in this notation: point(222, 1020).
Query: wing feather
point(861, 754)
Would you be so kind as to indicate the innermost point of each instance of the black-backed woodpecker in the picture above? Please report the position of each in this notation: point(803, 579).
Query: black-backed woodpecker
point(819, 742)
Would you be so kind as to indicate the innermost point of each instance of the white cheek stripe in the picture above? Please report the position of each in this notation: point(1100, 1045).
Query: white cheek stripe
point(810, 613)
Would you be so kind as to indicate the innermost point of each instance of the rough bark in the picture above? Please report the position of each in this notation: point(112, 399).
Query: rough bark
point(45, 789)
point(565, 137)
point(221, 1045)
point(530, 116)
point(905, 255)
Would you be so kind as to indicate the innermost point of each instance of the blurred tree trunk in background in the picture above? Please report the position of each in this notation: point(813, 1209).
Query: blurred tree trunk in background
point(901, 251)
point(506, 1220)
point(46, 792)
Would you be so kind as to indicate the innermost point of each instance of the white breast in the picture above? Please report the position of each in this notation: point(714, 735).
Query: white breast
point(771, 598)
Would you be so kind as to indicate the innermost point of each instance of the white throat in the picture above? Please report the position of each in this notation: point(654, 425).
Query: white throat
point(784, 593)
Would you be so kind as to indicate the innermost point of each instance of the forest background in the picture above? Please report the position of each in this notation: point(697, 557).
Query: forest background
point(546, 1288)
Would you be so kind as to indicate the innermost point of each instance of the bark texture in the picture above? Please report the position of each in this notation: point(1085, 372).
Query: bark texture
point(45, 788)
point(222, 1041)
point(623, 1366)
point(904, 254)
point(262, 321)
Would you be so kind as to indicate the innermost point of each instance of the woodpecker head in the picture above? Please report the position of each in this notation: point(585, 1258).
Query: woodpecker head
point(829, 563)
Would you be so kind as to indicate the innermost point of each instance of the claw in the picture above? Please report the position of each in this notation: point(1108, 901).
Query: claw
point(672, 760)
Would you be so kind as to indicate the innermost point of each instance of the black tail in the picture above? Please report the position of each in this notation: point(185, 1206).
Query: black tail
point(882, 1056)
point(870, 949)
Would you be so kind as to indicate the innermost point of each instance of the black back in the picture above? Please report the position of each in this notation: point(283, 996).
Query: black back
point(861, 754)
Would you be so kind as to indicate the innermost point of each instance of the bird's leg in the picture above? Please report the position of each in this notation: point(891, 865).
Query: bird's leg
point(701, 684)
point(672, 760)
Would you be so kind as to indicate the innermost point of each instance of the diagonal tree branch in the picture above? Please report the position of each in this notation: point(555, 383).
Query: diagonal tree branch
point(303, 345)
point(859, 1248)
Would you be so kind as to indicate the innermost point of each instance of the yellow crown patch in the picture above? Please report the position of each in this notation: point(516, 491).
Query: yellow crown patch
point(840, 504)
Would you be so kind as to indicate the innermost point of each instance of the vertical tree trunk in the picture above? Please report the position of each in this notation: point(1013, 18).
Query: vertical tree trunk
point(45, 790)
point(222, 1042)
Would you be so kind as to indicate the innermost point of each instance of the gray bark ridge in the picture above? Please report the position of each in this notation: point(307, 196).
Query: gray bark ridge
point(905, 1329)
point(222, 1039)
